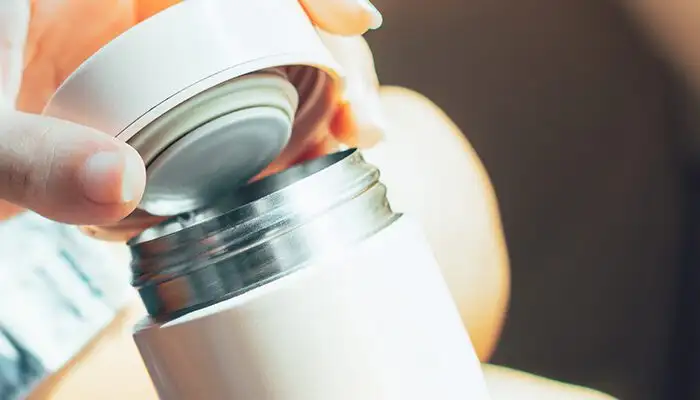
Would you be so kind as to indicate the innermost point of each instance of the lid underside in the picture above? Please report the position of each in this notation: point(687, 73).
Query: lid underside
point(215, 141)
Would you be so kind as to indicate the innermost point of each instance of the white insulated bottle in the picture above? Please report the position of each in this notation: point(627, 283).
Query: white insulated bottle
point(305, 285)
point(332, 296)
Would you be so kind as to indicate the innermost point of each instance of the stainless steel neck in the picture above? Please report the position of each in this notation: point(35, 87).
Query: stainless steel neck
point(260, 233)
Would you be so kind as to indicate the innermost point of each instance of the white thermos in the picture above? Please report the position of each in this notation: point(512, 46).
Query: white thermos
point(304, 285)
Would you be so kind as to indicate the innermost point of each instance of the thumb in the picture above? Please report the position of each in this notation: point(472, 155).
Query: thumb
point(66, 172)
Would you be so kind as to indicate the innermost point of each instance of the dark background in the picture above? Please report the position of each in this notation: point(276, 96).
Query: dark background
point(583, 131)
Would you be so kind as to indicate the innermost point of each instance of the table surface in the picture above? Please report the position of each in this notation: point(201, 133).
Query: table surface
point(108, 368)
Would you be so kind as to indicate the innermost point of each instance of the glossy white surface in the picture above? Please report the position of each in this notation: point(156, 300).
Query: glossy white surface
point(164, 67)
point(376, 323)
point(183, 51)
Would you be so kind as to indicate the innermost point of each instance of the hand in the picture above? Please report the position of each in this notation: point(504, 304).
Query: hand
point(77, 175)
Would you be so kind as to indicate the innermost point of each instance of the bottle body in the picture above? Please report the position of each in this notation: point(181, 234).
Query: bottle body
point(375, 323)
point(304, 286)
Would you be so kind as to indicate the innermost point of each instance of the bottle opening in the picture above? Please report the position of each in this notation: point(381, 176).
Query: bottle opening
point(260, 232)
point(241, 196)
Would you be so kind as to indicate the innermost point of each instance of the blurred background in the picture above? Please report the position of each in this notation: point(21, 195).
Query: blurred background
point(587, 134)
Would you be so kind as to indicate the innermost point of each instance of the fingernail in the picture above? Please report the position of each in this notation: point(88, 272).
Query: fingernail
point(113, 177)
point(376, 17)
point(133, 178)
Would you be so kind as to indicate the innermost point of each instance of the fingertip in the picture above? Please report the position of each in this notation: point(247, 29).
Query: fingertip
point(114, 176)
point(85, 212)
point(110, 234)
point(66, 172)
point(113, 181)
point(125, 229)
point(96, 232)
point(343, 17)
point(372, 15)
point(108, 214)
point(133, 184)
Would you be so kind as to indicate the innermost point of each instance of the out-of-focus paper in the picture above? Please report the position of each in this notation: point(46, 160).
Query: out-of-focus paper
point(58, 289)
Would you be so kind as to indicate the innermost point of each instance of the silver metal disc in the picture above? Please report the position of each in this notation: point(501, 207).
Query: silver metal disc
point(215, 141)
point(214, 158)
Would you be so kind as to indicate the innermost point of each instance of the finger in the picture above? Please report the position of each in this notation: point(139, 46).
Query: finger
point(67, 172)
point(359, 121)
point(124, 230)
point(343, 17)
point(14, 23)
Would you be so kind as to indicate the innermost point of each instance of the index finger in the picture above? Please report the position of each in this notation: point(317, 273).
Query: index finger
point(343, 17)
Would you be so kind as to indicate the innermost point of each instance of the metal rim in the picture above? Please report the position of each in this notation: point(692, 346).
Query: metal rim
point(261, 233)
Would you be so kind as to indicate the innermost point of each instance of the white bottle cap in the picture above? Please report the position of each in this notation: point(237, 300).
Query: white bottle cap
point(209, 92)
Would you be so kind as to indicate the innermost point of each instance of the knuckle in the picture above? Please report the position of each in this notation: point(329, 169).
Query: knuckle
point(20, 183)
point(26, 175)
point(18, 180)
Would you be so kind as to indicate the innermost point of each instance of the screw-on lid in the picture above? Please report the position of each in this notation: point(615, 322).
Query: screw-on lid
point(207, 91)
point(216, 140)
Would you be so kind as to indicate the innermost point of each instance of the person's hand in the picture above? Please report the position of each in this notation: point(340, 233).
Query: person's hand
point(77, 175)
